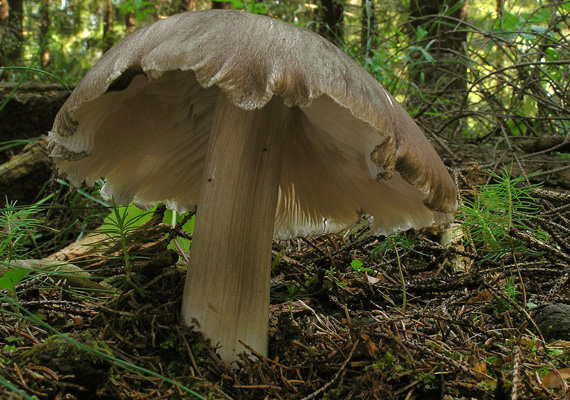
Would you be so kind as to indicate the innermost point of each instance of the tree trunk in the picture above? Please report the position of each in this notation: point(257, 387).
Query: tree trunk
point(13, 37)
point(187, 5)
point(108, 19)
point(368, 27)
point(330, 18)
point(130, 22)
point(45, 24)
point(22, 177)
point(3, 29)
point(439, 70)
point(3, 12)
point(221, 5)
point(442, 22)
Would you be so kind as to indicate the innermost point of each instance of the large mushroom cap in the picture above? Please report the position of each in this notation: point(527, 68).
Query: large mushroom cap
point(143, 114)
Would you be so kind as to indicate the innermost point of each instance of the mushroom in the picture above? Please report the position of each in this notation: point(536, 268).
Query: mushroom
point(268, 129)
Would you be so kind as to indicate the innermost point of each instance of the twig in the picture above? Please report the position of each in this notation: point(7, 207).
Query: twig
point(257, 387)
point(189, 352)
point(261, 356)
point(522, 310)
point(552, 171)
point(516, 372)
point(336, 376)
point(539, 245)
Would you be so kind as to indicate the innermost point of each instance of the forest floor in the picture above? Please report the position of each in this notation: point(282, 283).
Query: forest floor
point(463, 312)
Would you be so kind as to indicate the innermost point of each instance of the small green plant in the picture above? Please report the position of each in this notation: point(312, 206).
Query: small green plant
point(510, 293)
point(122, 222)
point(388, 365)
point(494, 210)
point(331, 272)
point(425, 380)
point(293, 293)
point(129, 218)
point(167, 344)
point(18, 229)
point(358, 266)
point(336, 394)
point(11, 279)
point(119, 224)
point(395, 242)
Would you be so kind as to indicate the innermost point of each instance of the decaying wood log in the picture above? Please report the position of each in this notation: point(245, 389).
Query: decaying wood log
point(22, 177)
point(553, 320)
point(29, 110)
point(545, 142)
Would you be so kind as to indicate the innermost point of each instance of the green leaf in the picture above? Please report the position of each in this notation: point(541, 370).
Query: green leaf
point(421, 33)
point(12, 278)
point(511, 22)
point(126, 217)
point(356, 264)
point(541, 16)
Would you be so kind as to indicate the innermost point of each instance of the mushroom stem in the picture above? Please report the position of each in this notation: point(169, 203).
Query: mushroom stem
point(227, 286)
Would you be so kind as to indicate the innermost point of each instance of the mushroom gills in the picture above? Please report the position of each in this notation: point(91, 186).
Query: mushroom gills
point(162, 158)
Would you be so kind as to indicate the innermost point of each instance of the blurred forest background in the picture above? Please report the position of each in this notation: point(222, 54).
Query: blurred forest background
point(353, 316)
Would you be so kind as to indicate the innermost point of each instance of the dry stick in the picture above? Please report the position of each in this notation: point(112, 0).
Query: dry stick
point(22, 383)
point(520, 278)
point(516, 372)
point(512, 153)
point(221, 392)
point(261, 356)
point(563, 382)
point(550, 195)
point(432, 353)
point(286, 382)
point(516, 65)
point(189, 352)
point(309, 241)
point(336, 376)
point(552, 171)
point(540, 245)
point(556, 211)
point(521, 310)
point(548, 227)
point(546, 151)
point(46, 370)
point(402, 279)
point(518, 97)
point(556, 288)
point(441, 143)
point(396, 338)
point(274, 387)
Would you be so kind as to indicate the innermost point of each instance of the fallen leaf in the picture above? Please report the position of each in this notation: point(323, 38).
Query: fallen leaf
point(552, 379)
